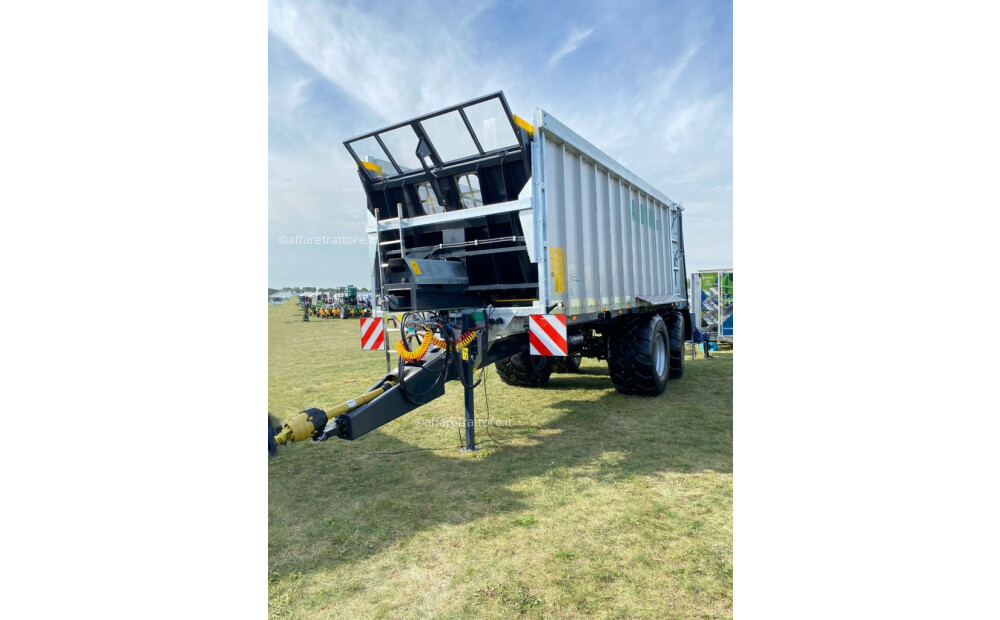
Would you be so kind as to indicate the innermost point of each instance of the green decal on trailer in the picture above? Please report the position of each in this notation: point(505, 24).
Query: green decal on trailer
point(646, 215)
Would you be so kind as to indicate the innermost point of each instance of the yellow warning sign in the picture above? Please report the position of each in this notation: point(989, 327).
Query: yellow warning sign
point(415, 267)
point(465, 353)
point(557, 268)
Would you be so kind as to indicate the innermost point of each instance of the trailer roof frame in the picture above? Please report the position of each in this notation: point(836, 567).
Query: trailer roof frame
point(421, 133)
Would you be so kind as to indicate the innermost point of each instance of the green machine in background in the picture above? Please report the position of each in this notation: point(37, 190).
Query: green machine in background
point(350, 307)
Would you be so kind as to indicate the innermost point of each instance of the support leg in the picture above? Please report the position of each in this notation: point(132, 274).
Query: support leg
point(470, 400)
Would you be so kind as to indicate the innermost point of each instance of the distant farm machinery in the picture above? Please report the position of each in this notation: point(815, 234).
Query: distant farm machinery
point(345, 306)
point(331, 311)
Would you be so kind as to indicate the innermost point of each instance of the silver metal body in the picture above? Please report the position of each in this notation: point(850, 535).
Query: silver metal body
point(612, 239)
point(603, 239)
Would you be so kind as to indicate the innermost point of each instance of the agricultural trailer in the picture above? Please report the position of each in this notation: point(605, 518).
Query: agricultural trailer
point(512, 243)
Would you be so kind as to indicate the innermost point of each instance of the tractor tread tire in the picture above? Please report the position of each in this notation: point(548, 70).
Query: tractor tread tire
point(630, 355)
point(567, 364)
point(514, 371)
point(675, 333)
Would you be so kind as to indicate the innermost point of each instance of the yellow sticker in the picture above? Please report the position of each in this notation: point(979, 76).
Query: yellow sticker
point(415, 267)
point(557, 267)
point(465, 354)
point(377, 169)
point(523, 124)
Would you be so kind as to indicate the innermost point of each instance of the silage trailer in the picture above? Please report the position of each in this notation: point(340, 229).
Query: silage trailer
point(509, 243)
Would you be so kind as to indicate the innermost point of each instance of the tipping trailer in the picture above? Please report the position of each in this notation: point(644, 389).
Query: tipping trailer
point(512, 243)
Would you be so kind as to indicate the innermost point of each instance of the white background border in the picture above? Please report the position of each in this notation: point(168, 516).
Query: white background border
point(135, 146)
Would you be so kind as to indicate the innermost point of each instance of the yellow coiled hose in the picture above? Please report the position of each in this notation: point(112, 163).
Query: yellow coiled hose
point(461, 344)
point(421, 351)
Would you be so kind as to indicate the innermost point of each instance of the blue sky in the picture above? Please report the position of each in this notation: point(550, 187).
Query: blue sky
point(649, 83)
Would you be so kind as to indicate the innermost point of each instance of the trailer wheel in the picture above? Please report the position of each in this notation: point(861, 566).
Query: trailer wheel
point(525, 370)
point(638, 355)
point(675, 330)
point(567, 364)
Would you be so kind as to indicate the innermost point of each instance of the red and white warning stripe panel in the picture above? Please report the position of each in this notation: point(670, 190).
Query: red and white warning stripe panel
point(547, 334)
point(372, 333)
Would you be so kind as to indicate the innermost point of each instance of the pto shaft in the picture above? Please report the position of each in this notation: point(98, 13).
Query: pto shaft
point(311, 422)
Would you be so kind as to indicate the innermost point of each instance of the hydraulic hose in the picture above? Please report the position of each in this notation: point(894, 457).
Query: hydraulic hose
point(429, 339)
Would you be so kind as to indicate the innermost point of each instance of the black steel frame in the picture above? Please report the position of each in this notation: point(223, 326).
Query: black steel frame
point(500, 177)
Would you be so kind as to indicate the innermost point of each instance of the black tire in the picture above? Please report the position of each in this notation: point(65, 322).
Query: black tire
point(525, 370)
point(637, 355)
point(567, 364)
point(675, 330)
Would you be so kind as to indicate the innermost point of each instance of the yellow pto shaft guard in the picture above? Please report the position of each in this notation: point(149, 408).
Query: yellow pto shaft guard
point(311, 422)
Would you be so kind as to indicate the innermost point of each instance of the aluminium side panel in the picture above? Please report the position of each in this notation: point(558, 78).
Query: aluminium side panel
point(607, 239)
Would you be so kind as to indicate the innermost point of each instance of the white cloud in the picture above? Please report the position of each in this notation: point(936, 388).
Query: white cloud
point(666, 80)
point(396, 72)
point(287, 98)
point(474, 13)
point(572, 43)
point(685, 124)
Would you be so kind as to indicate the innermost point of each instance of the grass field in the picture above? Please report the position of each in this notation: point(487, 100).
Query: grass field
point(589, 504)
